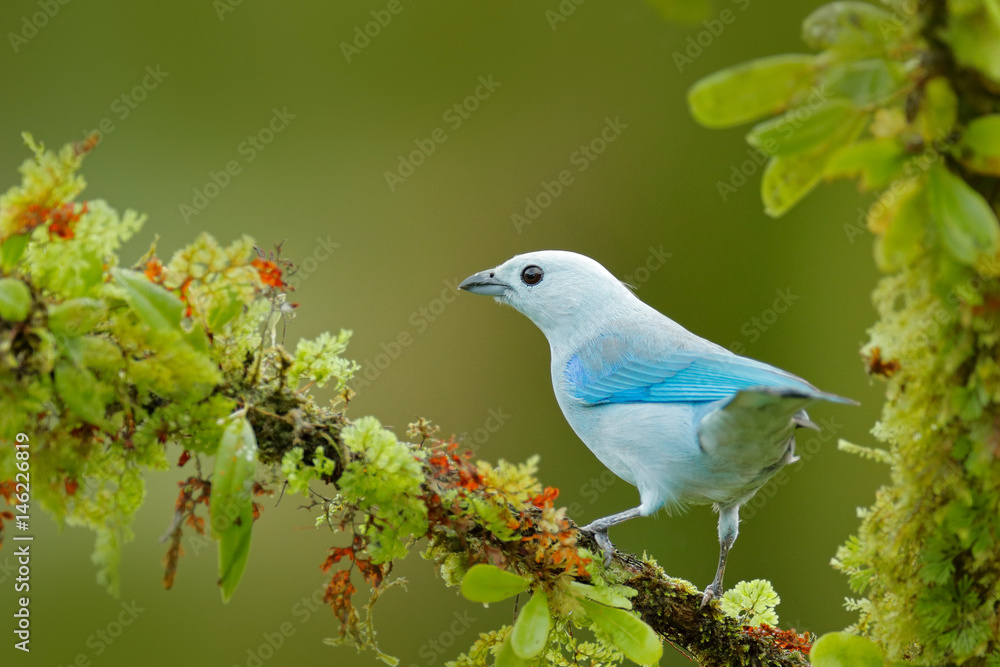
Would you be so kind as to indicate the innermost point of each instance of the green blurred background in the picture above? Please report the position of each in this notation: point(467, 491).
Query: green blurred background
point(383, 262)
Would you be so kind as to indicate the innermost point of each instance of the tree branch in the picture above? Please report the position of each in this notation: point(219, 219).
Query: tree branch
point(672, 608)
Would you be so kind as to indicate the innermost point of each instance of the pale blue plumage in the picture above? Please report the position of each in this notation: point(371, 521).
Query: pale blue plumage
point(684, 420)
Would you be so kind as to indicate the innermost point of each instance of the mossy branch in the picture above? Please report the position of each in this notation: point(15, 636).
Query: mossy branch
point(477, 513)
point(672, 608)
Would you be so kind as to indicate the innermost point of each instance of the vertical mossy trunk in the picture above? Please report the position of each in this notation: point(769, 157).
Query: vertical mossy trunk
point(927, 553)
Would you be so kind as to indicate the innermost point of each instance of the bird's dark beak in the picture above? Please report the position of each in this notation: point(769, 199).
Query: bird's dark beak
point(484, 283)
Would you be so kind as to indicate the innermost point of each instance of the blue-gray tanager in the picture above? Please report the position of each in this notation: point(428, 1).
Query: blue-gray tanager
point(681, 418)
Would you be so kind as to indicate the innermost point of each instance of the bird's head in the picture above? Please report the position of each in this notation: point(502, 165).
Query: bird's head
point(561, 292)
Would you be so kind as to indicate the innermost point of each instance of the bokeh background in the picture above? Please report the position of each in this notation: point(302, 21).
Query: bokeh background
point(384, 261)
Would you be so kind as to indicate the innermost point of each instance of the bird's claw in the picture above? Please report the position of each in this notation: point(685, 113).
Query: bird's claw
point(710, 594)
point(603, 541)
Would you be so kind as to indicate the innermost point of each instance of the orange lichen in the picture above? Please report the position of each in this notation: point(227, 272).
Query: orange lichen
point(789, 640)
point(154, 270)
point(269, 272)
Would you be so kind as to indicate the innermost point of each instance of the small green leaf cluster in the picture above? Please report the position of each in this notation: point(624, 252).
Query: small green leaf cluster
point(535, 640)
point(825, 100)
point(751, 603)
point(874, 106)
point(319, 360)
point(384, 480)
point(299, 474)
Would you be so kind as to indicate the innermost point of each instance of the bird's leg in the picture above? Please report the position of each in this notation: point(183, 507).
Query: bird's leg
point(599, 529)
point(729, 522)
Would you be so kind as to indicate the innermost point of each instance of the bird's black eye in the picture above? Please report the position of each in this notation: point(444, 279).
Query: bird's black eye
point(532, 275)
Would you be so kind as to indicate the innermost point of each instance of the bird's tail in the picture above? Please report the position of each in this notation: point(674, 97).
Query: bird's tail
point(761, 396)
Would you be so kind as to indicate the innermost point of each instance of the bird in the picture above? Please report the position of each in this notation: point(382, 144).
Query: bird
point(684, 420)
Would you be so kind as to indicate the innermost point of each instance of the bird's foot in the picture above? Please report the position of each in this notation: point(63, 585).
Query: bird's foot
point(603, 541)
point(712, 592)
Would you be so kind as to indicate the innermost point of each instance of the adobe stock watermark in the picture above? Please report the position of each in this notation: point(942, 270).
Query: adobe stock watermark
point(310, 605)
point(223, 7)
point(889, 197)
point(592, 490)
point(454, 116)
point(418, 321)
point(828, 430)
point(123, 105)
point(758, 157)
point(758, 325)
point(696, 44)
point(248, 149)
point(30, 25)
point(435, 649)
point(655, 261)
point(580, 160)
point(496, 418)
point(363, 34)
point(562, 12)
point(308, 266)
point(270, 642)
point(102, 639)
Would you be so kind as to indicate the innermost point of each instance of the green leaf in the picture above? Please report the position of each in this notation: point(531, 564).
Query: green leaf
point(11, 251)
point(98, 352)
point(507, 657)
point(232, 501)
point(15, 300)
point(224, 312)
point(531, 630)
point(631, 635)
point(81, 391)
point(875, 163)
point(903, 219)
point(786, 180)
point(938, 110)
point(91, 273)
point(75, 317)
point(974, 37)
point(864, 82)
point(801, 129)
point(604, 594)
point(965, 222)
point(160, 309)
point(851, 28)
point(488, 583)
point(979, 147)
point(789, 178)
point(842, 649)
point(750, 91)
point(157, 307)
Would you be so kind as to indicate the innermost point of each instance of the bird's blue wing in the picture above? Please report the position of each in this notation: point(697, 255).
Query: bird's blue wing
point(608, 370)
